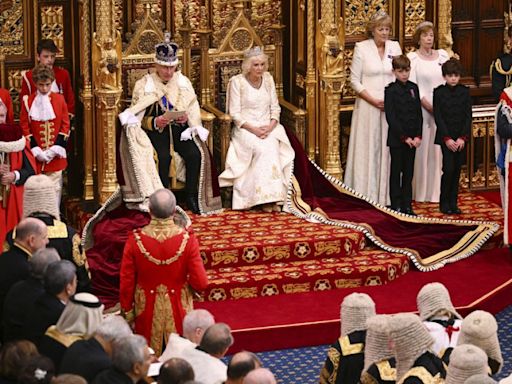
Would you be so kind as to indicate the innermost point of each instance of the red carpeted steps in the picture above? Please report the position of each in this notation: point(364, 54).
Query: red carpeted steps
point(251, 254)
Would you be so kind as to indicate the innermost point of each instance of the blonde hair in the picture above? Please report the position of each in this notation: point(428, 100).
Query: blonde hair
point(422, 28)
point(380, 18)
point(247, 63)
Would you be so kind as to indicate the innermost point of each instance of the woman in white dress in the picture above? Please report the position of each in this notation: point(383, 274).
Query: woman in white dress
point(260, 157)
point(367, 169)
point(426, 65)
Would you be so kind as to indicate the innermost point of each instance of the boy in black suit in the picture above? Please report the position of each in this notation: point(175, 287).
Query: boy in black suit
point(452, 113)
point(403, 113)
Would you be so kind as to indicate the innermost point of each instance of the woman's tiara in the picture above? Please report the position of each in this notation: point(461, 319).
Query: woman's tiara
point(380, 14)
point(255, 51)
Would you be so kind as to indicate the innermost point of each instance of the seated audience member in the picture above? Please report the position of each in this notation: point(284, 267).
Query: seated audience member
point(240, 365)
point(260, 376)
point(38, 369)
point(17, 165)
point(482, 379)
point(130, 362)
point(12, 358)
point(206, 358)
point(466, 360)
point(40, 200)
point(23, 294)
point(481, 329)
point(79, 320)
point(260, 157)
point(415, 360)
point(439, 315)
point(89, 357)
point(194, 324)
point(69, 379)
point(59, 286)
point(345, 358)
point(175, 371)
point(14, 266)
point(379, 361)
point(6, 101)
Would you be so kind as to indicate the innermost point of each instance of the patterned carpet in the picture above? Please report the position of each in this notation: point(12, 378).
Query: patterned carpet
point(302, 365)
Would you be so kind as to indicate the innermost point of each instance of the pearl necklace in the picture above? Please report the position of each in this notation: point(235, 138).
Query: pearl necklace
point(423, 53)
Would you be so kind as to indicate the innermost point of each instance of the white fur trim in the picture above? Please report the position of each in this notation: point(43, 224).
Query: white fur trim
point(149, 87)
point(127, 117)
point(13, 146)
point(198, 130)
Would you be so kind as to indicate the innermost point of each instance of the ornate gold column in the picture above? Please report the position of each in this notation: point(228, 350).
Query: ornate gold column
point(86, 97)
point(106, 65)
point(278, 71)
point(330, 39)
point(186, 45)
point(444, 26)
point(204, 33)
point(311, 143)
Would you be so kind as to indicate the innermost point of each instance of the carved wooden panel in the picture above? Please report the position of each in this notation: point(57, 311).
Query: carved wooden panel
point(52, 26)
point(12, 29)
point(358, 12)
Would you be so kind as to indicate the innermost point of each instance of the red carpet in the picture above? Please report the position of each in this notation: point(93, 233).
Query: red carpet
point(483, 281)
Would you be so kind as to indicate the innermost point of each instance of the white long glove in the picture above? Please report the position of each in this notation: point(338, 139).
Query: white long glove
point(40, 155)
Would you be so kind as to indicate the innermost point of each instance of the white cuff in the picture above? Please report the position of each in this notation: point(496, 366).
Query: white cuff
point(16, 176)
point(59, 151)
point(127, 117)
point(195, 130)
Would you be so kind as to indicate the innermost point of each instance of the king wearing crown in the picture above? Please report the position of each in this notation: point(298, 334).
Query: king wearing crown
point(166, 106)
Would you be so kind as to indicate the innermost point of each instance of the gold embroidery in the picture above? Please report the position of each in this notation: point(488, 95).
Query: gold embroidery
point(224, 257)
point(347, 348)
point(277, 252)
point(62, 338)
point(366, 378)
point(424, 375)
point(187, 299)
point(294, 288)
point(128, 316)
point(6, 246)
point(156, 261)
point(78, 254)
point(58, 230)
point(334, 356)
point(348, 283)
point(327, 247)
point(386, 371)
point(163, 319)
point(139, 299)
point(250, 254)
point(162, 229)
point(244, 293)
point(47, 134)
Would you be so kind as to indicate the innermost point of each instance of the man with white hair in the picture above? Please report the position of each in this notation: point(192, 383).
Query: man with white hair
point(131, 359)
point(194, 324)
point(24, 293)
point(87, 358)
point(345, 358)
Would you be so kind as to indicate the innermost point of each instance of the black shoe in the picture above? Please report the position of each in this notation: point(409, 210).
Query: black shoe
point(446, 210)
point(455, 210)
point(409, 211)
point(396, 209)
point(192, 204)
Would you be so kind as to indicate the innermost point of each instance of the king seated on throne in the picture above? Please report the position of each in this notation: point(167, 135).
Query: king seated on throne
point(165, 106)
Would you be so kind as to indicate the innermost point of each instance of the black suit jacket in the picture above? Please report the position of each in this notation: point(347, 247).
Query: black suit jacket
point(45, 312)
point(402, 105)
point(85, 358)
point(19, 301)
point(452, 112)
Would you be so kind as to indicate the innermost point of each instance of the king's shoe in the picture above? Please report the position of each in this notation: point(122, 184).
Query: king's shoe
point(192, 204)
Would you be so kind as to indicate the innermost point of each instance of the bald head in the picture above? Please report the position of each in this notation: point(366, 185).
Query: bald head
point(162, 204)
point(241, 364)
point(32, 234)
point(260, 376)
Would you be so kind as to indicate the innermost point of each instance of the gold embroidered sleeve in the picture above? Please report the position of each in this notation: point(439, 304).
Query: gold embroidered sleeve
point(78, 254)
point(129, 316)
point(386, 371)
point(347, 348)
point(366, 378)
point(423, 374)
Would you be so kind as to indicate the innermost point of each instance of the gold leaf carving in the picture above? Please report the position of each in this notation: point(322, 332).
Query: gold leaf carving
point(358, 12)
point(52, 26)
point(12, 28)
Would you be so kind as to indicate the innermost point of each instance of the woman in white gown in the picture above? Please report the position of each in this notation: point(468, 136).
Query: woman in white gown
point(367, 169)
point(260, 157)
point(426, 73)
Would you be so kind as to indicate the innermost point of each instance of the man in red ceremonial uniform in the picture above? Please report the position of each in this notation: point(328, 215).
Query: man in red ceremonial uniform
point(16, 165)
point(159, 263)
point(46, 52)
point(45, 122)
point(5, 99)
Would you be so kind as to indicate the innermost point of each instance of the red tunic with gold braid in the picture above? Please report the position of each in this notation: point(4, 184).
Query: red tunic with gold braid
point(63, 81)
point(159, 263)
point(44, 134)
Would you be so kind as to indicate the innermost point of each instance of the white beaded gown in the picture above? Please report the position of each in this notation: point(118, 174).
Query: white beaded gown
point(259, 170)
point(368, 159)
point(426, 184)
